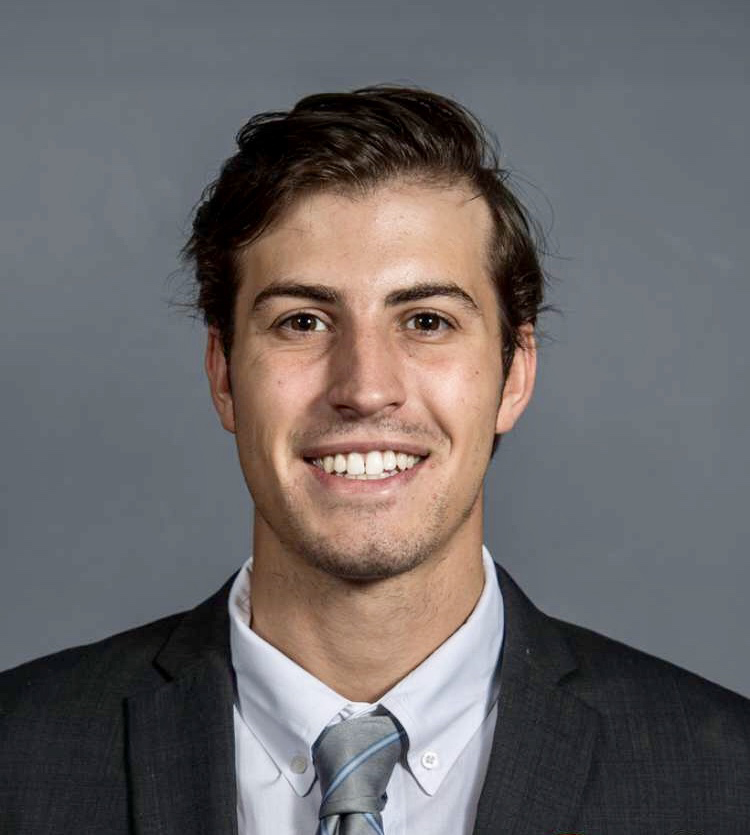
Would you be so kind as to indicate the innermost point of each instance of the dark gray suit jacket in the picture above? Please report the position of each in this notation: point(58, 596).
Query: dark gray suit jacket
point(135, 735)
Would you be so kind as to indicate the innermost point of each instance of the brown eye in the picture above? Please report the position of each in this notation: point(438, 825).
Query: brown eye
point(303, 322)
point(428, 322)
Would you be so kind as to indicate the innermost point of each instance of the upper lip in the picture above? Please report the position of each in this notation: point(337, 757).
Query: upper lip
point(321, 450)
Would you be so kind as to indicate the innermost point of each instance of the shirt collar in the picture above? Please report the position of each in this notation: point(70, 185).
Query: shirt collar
point(441, 704)
point(283, 705)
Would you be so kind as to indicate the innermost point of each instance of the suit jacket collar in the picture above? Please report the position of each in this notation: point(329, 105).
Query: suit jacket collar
point(544, 736)
point(181, 735)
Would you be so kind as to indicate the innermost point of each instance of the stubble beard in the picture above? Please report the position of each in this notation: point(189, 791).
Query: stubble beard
point(375, 553)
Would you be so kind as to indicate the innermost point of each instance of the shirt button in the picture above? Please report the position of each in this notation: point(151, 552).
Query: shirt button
point(299, 764)
point(430, 760)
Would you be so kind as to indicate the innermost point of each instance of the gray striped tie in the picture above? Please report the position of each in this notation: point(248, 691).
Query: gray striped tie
point(354, 761)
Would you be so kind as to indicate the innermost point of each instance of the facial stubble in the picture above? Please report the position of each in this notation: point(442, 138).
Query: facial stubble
point(377, 553)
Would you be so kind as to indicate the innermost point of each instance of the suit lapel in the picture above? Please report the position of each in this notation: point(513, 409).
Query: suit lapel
point(181, 735)
point(544, 737)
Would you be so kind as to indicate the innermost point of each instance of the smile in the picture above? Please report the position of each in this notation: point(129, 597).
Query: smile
point(368, 466)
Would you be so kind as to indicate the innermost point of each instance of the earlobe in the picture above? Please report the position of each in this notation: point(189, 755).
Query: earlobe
point(217, 371)
point(519, 384)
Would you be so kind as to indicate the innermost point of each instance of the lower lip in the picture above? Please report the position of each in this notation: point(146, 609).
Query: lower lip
point(365, 486)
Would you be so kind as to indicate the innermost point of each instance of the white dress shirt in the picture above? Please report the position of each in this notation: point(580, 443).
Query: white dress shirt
point(447, 706)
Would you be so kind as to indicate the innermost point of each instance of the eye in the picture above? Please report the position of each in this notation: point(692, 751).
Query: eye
point(428, 322)
point(303, 323)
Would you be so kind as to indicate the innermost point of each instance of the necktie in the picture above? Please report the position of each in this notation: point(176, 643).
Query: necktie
point(354, 761)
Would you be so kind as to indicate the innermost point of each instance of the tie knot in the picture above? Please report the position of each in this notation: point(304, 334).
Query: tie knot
point(354, 761)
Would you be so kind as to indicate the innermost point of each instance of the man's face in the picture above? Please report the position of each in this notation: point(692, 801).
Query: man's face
point(364, 325)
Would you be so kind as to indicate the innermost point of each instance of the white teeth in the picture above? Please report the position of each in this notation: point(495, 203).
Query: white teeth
point(355, 463)
point(373, 463)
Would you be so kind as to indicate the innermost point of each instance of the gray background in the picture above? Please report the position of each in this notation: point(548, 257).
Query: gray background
point(620, 502)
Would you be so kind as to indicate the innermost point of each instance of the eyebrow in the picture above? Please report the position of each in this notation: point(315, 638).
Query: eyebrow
point(327, 295)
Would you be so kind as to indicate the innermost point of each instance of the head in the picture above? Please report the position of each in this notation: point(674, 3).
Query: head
point(361, 161)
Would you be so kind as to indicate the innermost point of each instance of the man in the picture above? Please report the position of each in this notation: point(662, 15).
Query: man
point(370, 287)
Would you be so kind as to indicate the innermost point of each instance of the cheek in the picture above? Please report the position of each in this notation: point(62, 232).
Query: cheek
point(264, 379)
point(464, 399)
point(272, 400)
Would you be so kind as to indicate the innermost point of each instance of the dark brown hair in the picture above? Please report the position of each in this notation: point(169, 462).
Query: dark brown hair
point(350, 143)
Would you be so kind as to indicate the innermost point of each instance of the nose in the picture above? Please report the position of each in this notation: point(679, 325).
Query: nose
point(366, 374)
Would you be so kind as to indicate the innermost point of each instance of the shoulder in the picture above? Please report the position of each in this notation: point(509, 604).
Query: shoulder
point(650, 702)
point(94, 680)
point(93, 674)
point(63, 721)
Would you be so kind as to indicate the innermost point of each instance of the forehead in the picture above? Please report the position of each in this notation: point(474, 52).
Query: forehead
point(370, 243)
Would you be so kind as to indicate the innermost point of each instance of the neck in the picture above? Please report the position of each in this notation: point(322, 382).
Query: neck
point(362, 637)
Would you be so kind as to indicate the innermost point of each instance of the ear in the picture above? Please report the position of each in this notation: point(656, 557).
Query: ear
point(519, 384)
point(217, 371)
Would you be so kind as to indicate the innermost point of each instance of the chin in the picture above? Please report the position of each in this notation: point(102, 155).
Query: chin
point(363, 548)
point(366, 561)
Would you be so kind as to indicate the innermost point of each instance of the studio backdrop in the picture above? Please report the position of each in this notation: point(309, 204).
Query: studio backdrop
point(621, 499)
